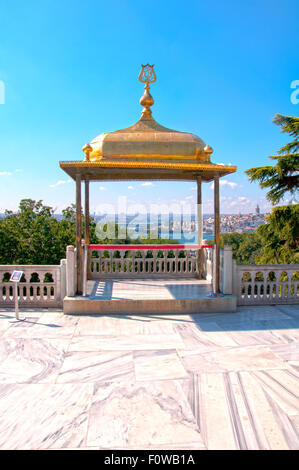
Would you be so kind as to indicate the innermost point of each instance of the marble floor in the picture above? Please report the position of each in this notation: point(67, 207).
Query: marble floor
point(142, 289)
point(203, 381)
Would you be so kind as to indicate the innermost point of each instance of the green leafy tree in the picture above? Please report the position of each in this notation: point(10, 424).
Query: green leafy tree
point(246, 247)
point(283, 177)
point(280, 236)
point(34, 235)
point(67, 228)
point(28, 237)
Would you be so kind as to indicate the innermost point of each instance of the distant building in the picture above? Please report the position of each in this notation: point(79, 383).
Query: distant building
point(257, 210)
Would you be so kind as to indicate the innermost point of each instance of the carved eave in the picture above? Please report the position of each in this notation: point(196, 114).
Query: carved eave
point(112, 170)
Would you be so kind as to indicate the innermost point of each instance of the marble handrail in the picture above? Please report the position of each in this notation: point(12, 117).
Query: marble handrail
point(267, 284)
point(41, 285)
point(144, 260)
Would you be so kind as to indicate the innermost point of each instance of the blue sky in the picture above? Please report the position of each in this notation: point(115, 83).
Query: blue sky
point(70, 72)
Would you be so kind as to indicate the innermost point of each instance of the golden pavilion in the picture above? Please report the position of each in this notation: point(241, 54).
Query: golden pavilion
point(146, 151)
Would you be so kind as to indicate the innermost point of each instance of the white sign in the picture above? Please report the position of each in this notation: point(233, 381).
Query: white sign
point(16, 276)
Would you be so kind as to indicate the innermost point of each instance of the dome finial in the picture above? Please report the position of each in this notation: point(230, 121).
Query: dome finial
point(147, 75)
point(87, 149)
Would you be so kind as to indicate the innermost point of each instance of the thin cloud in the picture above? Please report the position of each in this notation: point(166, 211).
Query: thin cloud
point(5, 173)
point(147, 183)
point(241, 201)
point(58, 183)
point(225, 183)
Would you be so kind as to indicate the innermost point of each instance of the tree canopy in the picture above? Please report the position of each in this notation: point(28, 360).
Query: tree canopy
point(246, 246)
point(280, 236)
point(275, 242)
point(283, 177)
point(34, 235)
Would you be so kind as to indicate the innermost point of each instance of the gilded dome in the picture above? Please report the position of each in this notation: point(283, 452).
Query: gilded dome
point(146, 150)
point(150, 141)
point(147, 141)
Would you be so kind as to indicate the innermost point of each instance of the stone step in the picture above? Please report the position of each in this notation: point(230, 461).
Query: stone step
point(85, 305)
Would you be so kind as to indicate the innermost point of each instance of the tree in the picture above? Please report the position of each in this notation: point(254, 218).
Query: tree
point(280, 236)
point(246, 247)
point(35, 236)
point(28, 237)
point(282, 177)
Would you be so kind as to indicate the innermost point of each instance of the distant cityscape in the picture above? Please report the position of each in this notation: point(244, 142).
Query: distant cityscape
point(180, 226)
point(236, 222)
point(183, 227)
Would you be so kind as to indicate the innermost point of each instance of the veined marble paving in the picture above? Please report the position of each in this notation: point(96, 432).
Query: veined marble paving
point(160, 414)
point(205, 381)
point(162, 364)
point(104, 366)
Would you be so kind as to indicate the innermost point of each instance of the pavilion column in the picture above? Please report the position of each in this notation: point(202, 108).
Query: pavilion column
point(78, 234)
point(86, 231)
point(199, 212)
point(199, 227)
point(217, 234)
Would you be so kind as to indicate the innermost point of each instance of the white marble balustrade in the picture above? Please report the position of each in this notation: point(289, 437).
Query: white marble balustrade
point(46, 286)
point(144, 261)
point(266, 284)
point(41, 286)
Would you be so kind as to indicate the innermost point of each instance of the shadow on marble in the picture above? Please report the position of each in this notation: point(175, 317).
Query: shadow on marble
point(48, 325)
point(247, 319)
point(93, 325)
